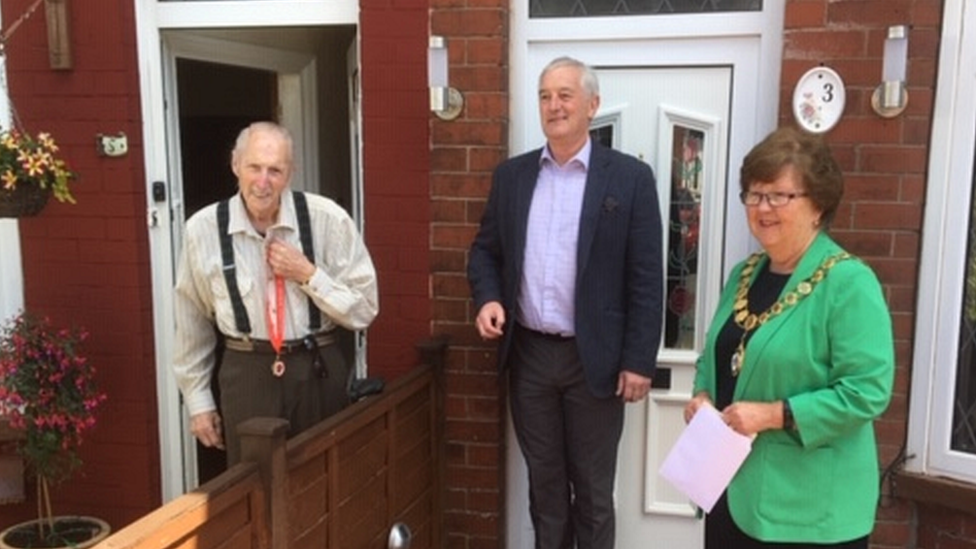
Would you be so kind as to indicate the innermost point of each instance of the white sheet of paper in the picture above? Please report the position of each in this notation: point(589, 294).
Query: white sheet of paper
point(705, 457)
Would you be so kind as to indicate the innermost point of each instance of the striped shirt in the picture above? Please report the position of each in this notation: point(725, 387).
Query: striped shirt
point(548, 287)
point(343, 287)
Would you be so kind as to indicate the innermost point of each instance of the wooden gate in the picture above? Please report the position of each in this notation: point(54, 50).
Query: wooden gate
point(342, 484)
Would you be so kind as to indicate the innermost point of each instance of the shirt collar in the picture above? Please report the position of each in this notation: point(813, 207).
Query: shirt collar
point(582, 157)
point(239, 223)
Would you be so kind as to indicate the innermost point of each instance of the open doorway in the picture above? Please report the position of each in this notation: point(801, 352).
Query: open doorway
point(208, 127)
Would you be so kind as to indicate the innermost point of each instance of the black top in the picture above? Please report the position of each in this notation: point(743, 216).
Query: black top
point(765, 290)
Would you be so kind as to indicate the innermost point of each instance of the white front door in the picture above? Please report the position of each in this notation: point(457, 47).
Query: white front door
point(676, 119)
point(689, 96)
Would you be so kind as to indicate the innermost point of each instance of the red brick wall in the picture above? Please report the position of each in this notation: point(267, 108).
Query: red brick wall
point(463, 154)
point(939, 528)
point(88, 264)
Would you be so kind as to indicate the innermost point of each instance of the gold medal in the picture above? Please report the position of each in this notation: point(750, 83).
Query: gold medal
point(278, 368)
point(737, 358)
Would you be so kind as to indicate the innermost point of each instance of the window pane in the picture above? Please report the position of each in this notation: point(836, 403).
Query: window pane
point(602, 134)
point(592, 8)
point(687, 146)
point(964, 410)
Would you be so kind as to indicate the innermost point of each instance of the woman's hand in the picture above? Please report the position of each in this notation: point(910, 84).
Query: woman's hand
point(699, 400)
point(750, 418)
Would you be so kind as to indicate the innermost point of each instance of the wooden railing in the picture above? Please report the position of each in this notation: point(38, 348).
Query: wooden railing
point(342, 484)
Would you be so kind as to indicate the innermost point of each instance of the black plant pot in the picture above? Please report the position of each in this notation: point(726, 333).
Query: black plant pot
point(23, 200)
point(74, 532)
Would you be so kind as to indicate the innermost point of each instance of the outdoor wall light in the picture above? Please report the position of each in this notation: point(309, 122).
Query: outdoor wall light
point(890, 98)
point(446, 102)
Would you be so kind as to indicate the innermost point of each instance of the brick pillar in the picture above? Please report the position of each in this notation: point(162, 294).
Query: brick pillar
point(463, 154)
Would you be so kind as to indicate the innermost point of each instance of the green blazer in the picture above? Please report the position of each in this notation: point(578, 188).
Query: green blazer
point(832, 357)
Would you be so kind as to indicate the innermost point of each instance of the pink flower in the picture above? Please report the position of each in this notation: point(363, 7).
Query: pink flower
point(48, 391)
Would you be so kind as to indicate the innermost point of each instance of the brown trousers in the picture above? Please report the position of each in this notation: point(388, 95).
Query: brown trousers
point(249, 389)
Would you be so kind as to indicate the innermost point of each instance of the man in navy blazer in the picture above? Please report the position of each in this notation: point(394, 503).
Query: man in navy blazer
point(566, 271)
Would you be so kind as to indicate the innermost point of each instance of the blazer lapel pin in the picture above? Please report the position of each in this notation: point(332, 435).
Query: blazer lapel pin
point(610, 204)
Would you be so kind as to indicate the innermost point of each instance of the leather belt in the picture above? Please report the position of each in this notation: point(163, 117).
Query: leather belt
point(557, 338)
point(290, 346)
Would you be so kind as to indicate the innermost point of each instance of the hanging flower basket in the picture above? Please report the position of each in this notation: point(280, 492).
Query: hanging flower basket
point(23, 200)
point(30, 173)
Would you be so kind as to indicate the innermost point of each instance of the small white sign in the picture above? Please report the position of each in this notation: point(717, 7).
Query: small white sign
point(818, 99)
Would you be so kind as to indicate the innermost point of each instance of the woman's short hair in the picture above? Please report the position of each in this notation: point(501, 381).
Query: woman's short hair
point(809, 156)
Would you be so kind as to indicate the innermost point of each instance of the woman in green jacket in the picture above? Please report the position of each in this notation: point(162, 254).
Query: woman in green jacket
point(800, 354)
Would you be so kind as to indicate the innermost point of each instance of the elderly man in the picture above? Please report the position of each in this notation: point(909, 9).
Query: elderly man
point(274, 271)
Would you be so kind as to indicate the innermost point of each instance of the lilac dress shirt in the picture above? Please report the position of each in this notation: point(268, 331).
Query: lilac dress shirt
point(547, 290)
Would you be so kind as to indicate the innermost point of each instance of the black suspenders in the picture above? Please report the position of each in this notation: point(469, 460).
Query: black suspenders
point(305, 234)
point(230, 270)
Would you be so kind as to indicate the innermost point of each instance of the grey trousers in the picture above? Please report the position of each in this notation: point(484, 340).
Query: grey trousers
point(569, 439)
point(249, 389)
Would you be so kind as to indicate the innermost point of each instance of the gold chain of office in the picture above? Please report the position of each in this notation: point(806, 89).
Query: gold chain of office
point(750, 321)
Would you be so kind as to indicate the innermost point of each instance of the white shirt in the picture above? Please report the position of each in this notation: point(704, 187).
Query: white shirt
point(343, 286)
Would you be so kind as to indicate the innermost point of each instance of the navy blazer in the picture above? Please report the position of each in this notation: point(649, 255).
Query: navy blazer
point(620, 272)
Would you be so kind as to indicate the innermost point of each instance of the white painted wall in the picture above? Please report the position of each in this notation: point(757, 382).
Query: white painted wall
point(11, 272)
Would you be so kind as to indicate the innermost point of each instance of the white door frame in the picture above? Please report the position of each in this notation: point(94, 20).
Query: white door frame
point(152, 17)
point(749, 42)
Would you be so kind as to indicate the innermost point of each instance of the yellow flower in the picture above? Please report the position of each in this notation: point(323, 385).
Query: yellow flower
point(25, 160)
point(33, 166)
point(47, 141)
point(9, 180)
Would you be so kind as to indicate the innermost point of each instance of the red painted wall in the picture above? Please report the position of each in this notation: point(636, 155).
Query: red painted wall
point(88, 264)
point(396, 157)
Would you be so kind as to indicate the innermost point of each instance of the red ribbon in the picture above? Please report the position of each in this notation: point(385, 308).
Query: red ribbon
point(276, 314)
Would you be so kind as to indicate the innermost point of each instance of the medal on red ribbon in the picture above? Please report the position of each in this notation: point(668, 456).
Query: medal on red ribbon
point(275, 310)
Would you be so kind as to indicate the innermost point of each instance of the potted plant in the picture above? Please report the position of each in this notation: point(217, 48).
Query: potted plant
point(48, 392)
point(30, 173)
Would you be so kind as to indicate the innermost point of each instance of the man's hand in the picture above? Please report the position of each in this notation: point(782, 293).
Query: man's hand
point(208, 429)
point(632, 386)
point(289, 262)
point(491, 320)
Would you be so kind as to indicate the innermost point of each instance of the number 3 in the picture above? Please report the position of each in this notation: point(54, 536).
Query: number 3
point(828, 93)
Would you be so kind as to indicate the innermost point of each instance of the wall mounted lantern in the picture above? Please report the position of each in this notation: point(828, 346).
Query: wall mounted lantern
point(890, 98)
point(446, 102)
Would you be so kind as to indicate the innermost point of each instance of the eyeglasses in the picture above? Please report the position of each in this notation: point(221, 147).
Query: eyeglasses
point(776, 200)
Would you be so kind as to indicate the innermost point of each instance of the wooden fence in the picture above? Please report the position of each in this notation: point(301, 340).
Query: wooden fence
point(341, 485)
